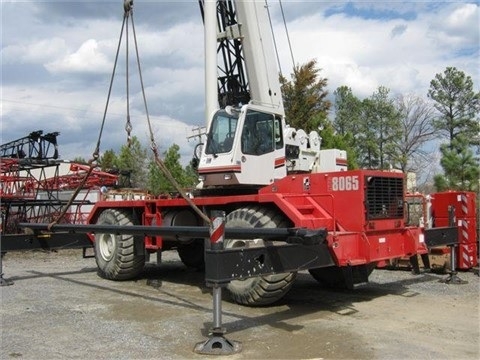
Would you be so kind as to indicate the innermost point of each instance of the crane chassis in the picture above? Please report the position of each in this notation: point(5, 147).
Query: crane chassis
point(265, 212)
point(336, 225)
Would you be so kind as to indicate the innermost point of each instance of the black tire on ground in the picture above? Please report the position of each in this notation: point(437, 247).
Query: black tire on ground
point(115, 254)
point(342, 278)
point(258, 290)
point(193, 254)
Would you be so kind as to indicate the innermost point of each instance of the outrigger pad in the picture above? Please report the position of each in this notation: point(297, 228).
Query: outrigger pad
point(454, 280)
point(218, 345)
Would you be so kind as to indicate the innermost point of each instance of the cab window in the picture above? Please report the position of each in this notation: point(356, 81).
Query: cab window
point(222, 133)
point(259, 133)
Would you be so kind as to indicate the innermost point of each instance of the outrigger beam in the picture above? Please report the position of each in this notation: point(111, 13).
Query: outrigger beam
point(302, 249)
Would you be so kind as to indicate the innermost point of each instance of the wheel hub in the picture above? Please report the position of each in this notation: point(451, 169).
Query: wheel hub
point(107, 246)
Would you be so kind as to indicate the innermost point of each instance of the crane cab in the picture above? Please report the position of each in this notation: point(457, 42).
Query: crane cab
point(245, 146)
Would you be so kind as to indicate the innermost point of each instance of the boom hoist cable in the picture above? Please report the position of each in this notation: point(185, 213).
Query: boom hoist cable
point(158, 161)
point(128, 14)
point(274, 38)
point(95, 155)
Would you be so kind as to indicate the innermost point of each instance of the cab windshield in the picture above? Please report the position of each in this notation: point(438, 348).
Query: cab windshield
point(222, 133)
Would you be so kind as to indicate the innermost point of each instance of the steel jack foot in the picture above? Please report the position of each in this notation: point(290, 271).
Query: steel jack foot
point(218, 345)
point(452, 277)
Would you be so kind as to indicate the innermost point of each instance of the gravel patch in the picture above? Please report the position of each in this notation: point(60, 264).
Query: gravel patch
point(58, 308)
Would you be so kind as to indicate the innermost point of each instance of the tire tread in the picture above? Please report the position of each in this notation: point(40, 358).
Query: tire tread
point(265, 289)
point(125, 264)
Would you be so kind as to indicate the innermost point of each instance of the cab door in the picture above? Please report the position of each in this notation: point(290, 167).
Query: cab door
point(262, 156)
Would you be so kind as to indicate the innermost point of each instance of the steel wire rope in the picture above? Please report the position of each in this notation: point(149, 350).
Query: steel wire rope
point(92, 161)
point(128, 124)
point(158, 161)
point(273, 36)
point(286, 32)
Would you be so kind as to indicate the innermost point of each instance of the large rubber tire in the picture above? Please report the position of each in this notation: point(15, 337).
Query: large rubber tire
point(115, 254)
point(258, 290)
point(193, 254)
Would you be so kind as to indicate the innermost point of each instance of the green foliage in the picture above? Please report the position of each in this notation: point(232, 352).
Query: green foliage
point(79, 160)
point(347, 125)
point(304, 98)
point(378, 130)
point(136, 170)
point(369, 129)
point(108, 160)
point(158, 183)
point(306, 107)
point(348, 111)
point(384, 133)
point(133, 159)
point(458, 105)
point(460, 167)
point(191, 175)
point(331, 140)
point(440, 182)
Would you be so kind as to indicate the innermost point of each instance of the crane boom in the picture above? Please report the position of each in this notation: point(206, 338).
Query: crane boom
point(262, 70)
point(240, 47)
point(211, 100)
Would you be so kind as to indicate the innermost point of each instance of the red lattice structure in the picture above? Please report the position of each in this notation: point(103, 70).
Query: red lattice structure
point(33, 188)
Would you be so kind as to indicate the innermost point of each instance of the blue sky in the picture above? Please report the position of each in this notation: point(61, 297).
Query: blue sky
point(57, 58)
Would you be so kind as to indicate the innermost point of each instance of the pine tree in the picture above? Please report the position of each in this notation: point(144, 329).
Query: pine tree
point(458, 107)
point(108, 161)
point(158, 183)
point(457, 104)
point(304, 98)
point(346, 124)
point(379, 128)
point(460, 167)
point(133, 160)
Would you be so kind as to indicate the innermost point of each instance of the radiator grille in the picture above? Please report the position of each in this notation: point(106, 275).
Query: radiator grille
point(384, 197)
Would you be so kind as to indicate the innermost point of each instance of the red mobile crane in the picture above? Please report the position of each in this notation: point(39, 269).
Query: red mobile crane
point(274, 182)
point(287, 205)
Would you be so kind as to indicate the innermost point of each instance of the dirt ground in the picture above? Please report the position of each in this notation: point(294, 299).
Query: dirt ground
point(58, 308)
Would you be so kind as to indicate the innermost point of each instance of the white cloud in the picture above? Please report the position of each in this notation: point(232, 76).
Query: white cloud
point(89, 58)
point(184, 41)
point(401, 54)
point(34, 52)
point(454, 28)
point(173, 82)
point(463, 21)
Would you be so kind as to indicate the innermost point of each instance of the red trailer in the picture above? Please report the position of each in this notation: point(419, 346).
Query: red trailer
point(458, 208)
